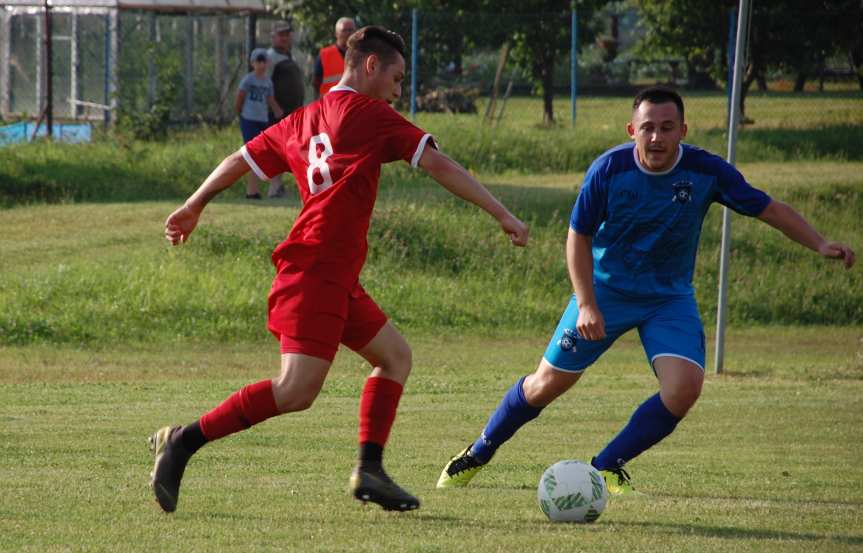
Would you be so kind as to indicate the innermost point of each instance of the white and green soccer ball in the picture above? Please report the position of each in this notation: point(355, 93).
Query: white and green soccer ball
point(572, 491)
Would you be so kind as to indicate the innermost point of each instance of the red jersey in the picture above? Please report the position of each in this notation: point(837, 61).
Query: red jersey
point(335, 147)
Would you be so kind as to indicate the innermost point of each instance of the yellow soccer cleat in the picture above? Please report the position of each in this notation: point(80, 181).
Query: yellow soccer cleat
point(460, 470)
point(617, 481)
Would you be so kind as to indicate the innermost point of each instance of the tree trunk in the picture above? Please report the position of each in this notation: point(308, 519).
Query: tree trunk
point(800, 81)
point(744, 89)
point(501, 63)
point(548, 94)
point(856, 58)
point(544, 71)
point(548, 105)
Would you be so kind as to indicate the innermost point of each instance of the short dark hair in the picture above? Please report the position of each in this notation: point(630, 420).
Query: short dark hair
point(658, 95)
point(385, 44)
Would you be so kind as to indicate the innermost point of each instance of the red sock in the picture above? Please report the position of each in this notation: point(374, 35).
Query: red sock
point(246, 407)
point(378, 405)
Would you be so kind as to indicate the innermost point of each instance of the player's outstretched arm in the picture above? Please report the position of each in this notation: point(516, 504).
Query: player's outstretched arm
point(184, 219)
point(784, 217)
point(579, 262)
point(458, 181)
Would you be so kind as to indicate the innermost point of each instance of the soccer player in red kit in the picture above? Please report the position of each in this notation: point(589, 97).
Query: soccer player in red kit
point(334, 147)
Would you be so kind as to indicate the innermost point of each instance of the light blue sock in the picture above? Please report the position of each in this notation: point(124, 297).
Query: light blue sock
point(513, 412)
point(650, 423)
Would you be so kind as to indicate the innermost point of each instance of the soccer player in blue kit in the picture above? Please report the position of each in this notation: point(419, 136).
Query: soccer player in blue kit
point(630, 253)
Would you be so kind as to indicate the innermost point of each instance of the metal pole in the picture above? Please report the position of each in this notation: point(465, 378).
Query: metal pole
point(5, 73)
point(732, 21)
point(75, 71)
point(573, 64)
point(414, 61)
point(188, 58)
point(49, 74)
point(114, 68)
point(151, 60)
point(221, 69)
point(39, 43)
point(739, 60)
point(106, 114)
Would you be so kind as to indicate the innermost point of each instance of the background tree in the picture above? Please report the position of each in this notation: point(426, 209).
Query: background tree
point(792, 36)
point(538, 30)
point(696, 30)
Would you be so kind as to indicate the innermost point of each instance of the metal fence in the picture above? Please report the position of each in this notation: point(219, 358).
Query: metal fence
point(108, 59)
point(105, 60)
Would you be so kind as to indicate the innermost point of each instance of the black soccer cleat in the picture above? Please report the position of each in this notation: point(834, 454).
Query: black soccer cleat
point(376, 486)
point(171, 459)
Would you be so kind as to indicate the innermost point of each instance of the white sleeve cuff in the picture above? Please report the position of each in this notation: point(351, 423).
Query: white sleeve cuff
point(257, 170)
point(415, 160)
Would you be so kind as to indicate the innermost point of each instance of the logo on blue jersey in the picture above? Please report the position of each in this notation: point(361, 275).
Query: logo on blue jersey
point(682, 192)
point(567, 341)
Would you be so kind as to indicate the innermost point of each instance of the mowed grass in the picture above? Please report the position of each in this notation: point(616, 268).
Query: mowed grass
point(767, 461)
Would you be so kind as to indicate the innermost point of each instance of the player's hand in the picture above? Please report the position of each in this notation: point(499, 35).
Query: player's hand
point(516, 230)
point(835, 250)
point(180, 225)
point(590, 324)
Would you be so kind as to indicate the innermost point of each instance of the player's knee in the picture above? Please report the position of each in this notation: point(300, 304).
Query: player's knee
point(291, 396)
point(296, 402)
point(544, 386)
point(398, 360)
point(679, 399)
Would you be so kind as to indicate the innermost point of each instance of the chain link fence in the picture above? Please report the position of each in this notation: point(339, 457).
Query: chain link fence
point(106, 62)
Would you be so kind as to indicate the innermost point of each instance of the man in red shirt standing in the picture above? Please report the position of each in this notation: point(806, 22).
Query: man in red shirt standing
point(334, 147)
point(331, 60)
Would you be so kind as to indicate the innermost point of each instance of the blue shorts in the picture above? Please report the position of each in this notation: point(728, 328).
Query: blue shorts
point(251, 128)
point(667, 326)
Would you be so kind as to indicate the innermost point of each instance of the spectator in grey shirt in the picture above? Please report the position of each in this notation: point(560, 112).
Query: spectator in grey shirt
point(254, 97)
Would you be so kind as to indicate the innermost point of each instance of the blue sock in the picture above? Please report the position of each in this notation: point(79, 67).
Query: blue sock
point(513, 412)
point(650, 423)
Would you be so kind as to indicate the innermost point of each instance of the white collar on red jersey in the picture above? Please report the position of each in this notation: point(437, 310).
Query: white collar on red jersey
point(339, 87)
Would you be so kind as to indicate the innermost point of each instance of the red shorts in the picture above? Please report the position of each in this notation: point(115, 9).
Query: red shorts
point(310, 315)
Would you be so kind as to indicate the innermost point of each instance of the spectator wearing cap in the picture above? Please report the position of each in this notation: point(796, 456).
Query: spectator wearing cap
point(254, 96)
point(288, 83)
point(331, 60)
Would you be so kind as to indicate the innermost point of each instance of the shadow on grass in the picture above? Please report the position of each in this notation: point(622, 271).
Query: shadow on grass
point(831, 142)
point(730, 532)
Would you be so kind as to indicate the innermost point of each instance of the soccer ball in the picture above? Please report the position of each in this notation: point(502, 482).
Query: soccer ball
point(572, 491)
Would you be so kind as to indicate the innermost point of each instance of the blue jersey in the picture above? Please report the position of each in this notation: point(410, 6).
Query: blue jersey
point(645, 226)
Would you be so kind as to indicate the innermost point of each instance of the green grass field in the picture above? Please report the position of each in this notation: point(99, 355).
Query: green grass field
point(106, 333)
point(767, 461)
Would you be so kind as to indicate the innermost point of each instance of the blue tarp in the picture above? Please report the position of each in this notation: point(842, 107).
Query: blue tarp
point(64, 132)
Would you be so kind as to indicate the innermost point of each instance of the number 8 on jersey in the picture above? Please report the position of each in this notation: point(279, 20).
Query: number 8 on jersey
point(319, 162)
